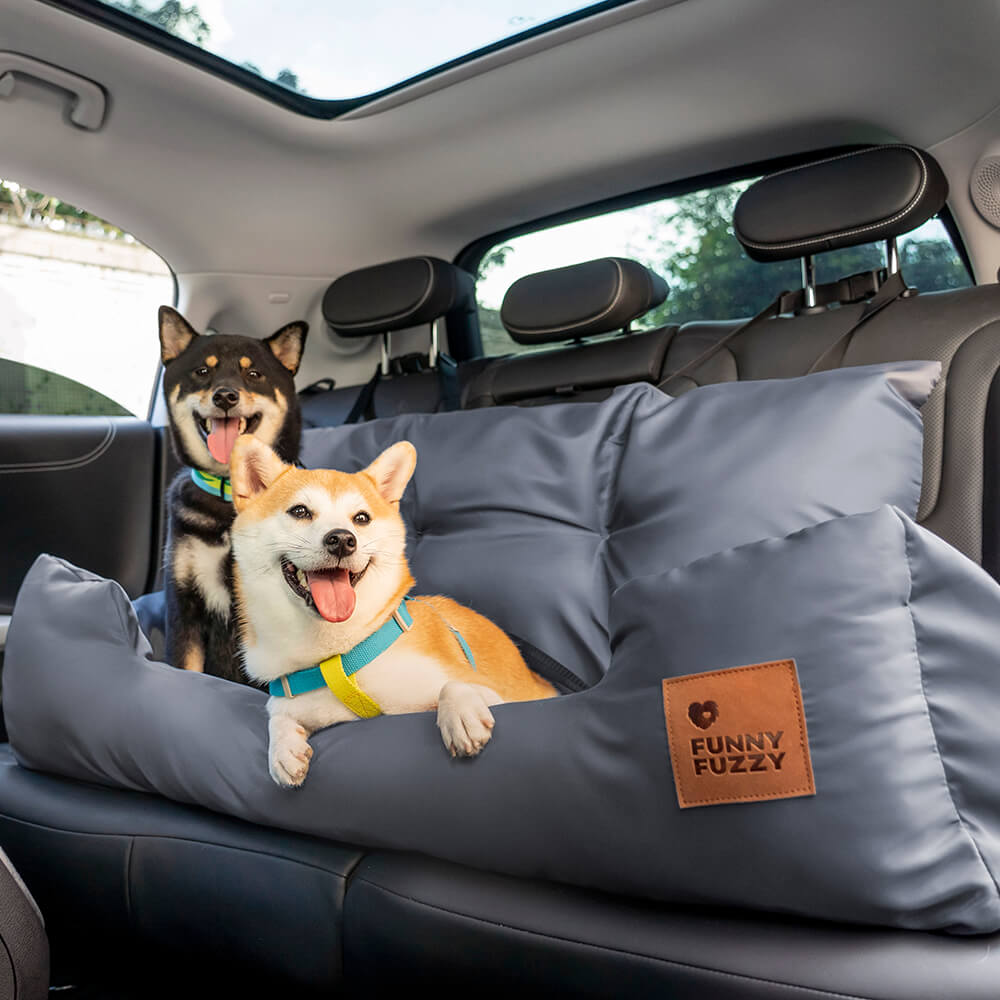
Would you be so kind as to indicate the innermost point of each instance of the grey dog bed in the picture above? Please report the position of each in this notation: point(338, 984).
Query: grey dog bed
point(624, 568)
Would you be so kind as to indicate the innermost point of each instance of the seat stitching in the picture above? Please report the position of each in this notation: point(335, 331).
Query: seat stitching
point(839, 234)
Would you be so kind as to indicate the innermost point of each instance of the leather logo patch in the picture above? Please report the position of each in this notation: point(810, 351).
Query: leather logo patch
point(738, 735)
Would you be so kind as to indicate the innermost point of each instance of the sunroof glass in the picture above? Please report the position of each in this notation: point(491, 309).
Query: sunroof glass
point(332, 50)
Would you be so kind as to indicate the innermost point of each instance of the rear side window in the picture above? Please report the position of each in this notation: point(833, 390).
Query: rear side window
point(78, 301)
point(689, 241)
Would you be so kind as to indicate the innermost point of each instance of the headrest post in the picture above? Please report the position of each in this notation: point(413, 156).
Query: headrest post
point(386, 348)
point(432, 354)
point(891, 255)
point(809, 280)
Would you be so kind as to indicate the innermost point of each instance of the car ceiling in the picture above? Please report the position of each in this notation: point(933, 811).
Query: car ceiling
point(222, 182)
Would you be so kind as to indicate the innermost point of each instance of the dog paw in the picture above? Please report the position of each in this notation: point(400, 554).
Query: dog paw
point(289, 757)
point(464, 719)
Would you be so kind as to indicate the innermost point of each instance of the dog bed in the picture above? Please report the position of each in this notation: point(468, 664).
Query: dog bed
point(879, 641)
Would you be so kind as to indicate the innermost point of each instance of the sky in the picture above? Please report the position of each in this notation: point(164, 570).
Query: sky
point(339, 49)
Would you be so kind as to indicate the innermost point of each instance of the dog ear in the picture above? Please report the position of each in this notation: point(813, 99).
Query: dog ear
point(391, 471)
point(253, 467)
point(175, 334)
point(288, 343)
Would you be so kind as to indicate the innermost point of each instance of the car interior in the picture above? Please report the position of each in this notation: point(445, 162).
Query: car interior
point(575, 200)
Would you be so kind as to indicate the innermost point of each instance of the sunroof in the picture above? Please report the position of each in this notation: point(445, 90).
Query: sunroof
point(329, 50)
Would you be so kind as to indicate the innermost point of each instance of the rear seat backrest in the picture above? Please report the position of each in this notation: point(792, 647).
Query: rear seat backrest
point(850, 200)
point(570, 303)
point(378, 301)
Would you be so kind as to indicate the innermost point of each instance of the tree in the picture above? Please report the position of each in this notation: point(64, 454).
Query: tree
point(932, 266)
point(495, 339)
point(711, 277)
point(494, 258)
point(288, 79)
point(171, 16)
point(30, 207)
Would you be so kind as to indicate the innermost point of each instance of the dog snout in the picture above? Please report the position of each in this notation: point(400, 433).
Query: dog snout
point(225, 398)
point(340, 542)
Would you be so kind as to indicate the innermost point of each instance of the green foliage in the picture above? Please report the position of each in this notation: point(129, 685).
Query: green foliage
point(494, 258)
point(171, 16)
point(495, 339)
point(932, 266)
point(288, 79)
point(712, 278)
point(188, 23)
point(34, 206)
point(27, 389)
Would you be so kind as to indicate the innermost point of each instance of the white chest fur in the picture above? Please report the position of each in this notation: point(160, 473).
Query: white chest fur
point(203, 566)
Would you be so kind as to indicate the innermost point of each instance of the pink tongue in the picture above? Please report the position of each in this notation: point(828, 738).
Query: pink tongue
point(222, 437)
point(332, 593)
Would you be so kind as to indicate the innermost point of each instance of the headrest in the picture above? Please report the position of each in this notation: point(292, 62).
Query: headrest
point(843, 201)
point(580, 301)
point(396, 296)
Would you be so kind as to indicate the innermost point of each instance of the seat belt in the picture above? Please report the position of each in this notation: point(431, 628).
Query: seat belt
point(892, 288)
point(847, 290)
point(364, 405)
point(447, 366)
point(785, 302)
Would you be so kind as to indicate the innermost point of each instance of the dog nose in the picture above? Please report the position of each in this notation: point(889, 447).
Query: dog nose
point(225, 398)
point(340, 542)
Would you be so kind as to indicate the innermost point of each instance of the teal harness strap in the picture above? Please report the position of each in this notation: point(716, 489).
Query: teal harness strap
point(465, 646)
point(312, 679)
point(378, 642)
point(216, 486)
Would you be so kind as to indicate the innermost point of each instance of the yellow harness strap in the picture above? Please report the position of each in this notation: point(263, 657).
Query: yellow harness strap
point(347, 689)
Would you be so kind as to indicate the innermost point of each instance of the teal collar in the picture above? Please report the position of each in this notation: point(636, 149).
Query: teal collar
point(312, 678)
point(216, 486)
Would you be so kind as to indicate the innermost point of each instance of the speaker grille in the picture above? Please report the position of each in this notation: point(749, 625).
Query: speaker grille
point(985, 189)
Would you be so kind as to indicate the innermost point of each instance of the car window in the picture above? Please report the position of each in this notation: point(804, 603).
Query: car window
point(689, 241)
point(338, 51)
point(78, 301)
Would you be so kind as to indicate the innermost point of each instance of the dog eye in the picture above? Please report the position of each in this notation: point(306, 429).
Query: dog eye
point(362, 517)
point(253, 373)
point(201, 372)
point(300, 511)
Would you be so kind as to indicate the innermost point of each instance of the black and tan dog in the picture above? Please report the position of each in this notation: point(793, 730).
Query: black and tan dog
point(217, 388)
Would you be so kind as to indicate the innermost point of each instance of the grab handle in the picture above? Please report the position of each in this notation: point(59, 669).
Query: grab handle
point(88, 101)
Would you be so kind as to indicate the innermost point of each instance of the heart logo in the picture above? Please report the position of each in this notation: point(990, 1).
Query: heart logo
point(703, 714)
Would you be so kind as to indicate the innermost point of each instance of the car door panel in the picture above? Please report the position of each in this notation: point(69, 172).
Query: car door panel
point(81, 488)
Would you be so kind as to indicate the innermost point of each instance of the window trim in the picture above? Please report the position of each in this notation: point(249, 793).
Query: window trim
point(311, 107)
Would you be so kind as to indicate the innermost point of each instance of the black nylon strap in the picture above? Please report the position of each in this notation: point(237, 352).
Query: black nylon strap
point(854, 288)
point(364, 405)
point(548, 667)
point(892, 288)
point(785, 302)
point(447, 368)
point(321, 385)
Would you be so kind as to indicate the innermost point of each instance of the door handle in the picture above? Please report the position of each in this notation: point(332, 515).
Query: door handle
point(87, 103)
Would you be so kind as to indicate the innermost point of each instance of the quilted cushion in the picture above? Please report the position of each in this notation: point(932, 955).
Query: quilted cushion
point(533, 515)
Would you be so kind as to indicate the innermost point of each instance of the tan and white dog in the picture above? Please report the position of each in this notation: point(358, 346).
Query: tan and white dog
point(321, 578)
